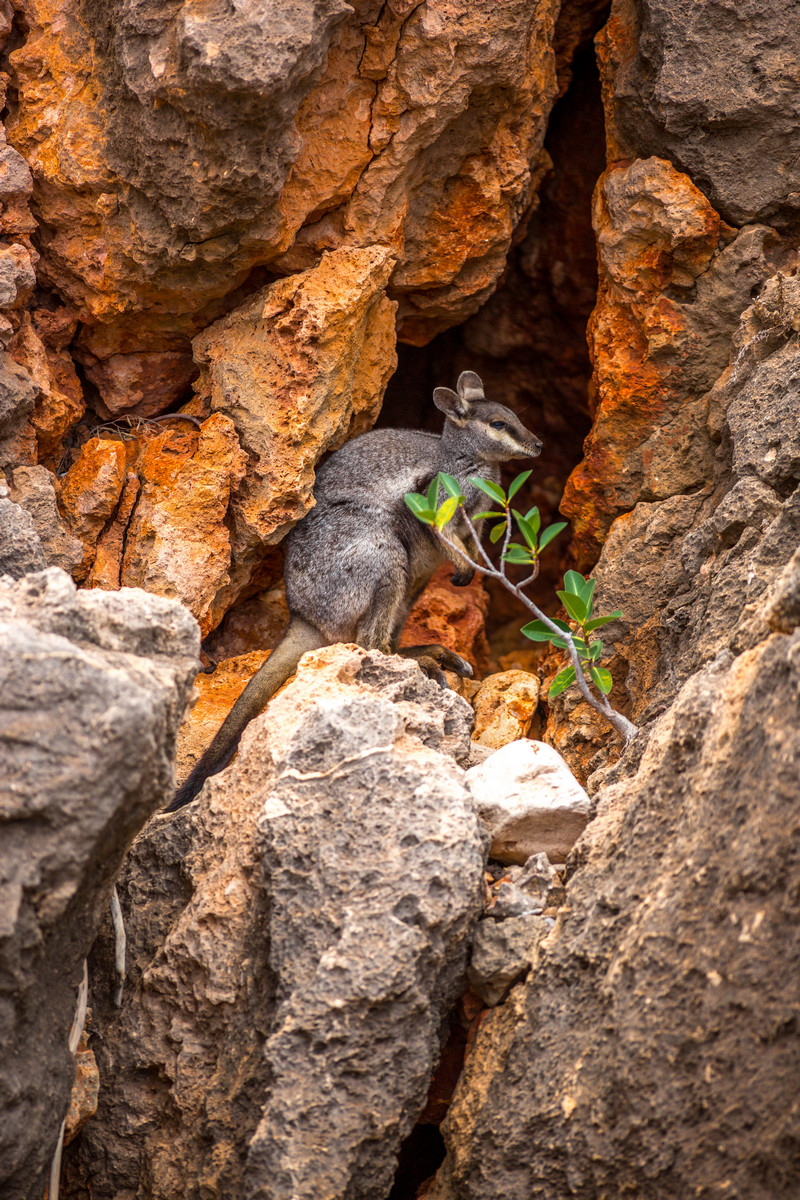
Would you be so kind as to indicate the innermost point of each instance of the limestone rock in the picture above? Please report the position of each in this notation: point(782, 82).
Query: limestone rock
point(18, 394)
point(713, 90)
point(502, 953)
point(656, 997)
point(20, 548)
point(177, 543)
point(93, 686)
point(298, 369)
point(674, 281)
point(505, 705)
point(295, 938)
point(319, 126)
point(90, 491)
point(33, 488)
point(529, 801)
point(59, 403)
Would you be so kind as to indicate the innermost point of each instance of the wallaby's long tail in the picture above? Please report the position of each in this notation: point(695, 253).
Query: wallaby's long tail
point(281, 663)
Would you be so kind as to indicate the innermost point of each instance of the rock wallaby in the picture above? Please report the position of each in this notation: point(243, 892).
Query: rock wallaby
point(357, 562)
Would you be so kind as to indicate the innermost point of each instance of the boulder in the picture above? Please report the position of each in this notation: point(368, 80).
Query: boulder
point(296, 939)
point(505, 705)
point(92, 687)
point(529, 801)
point(502, 953)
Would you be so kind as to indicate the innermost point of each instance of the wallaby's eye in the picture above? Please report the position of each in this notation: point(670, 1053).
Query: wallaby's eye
point(497, 424)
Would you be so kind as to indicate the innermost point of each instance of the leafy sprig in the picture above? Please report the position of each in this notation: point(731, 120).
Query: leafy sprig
point(577, 595)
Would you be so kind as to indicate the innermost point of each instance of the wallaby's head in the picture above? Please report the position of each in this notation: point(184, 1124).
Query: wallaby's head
point(494, 432)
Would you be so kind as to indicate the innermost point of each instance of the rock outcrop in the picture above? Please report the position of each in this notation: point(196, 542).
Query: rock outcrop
point(92, 690)
point(297, 938)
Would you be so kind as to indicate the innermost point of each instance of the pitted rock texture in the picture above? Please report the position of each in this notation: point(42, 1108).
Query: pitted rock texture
point(298, 369)
point(653, 1050)
point(93, 686)
point(297, 937)
point(674, 280)
point(306, 127)
point(713, 87)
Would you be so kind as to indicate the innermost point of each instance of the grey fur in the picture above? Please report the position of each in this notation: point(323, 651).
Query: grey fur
point(358, 561)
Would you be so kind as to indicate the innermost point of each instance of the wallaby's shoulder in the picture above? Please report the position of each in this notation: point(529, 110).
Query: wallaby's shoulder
point(384, 463)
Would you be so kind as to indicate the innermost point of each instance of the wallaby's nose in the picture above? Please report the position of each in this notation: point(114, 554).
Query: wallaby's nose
point(536, 447)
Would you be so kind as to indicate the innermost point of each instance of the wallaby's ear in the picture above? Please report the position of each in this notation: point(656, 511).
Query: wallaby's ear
point(453, 406)
point(469, 386)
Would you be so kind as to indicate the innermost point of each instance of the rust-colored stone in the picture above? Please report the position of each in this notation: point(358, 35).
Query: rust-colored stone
point(505, 708)
point(85, 1089)
point(413, 126)
point(452, 616)
point(60, 403)
point(177, 543)
point(299, 369)
point(673, 279)
point(90, 491)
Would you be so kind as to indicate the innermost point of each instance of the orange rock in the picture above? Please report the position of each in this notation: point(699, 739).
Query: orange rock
point(299, 369)
point(177, 543)
point(656, 235)
point(85, 1090)
point(60, 403)
point(408, 125)
point(505, 706)
point(90, 491)
point(105, 572)
point(452, 616)
point(217, 692)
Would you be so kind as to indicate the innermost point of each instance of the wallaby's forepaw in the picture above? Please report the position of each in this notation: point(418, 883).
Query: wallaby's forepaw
point(462, 578)
point(434, 671)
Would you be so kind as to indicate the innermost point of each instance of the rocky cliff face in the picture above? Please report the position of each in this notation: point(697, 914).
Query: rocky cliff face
point(221, 229)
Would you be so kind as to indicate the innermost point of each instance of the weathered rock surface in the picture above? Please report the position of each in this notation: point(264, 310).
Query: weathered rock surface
point(674, 281)
point(715, 89)
point(20, 548)
point(529, 802)
point(412, 125)
point(298, 369)
point(654, 1049)
point(296, 940)
point(505, 706)
point(34, 489)
point(93, 686)
point(502, 953)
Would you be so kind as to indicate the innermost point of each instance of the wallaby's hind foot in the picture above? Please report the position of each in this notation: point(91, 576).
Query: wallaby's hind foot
point(432, 659)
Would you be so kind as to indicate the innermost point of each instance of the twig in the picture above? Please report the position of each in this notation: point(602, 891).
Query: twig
point(625, 728)
point(78, 1022)
point(119, 946)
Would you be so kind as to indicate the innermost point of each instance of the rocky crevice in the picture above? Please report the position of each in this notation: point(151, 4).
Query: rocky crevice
point(184, 336)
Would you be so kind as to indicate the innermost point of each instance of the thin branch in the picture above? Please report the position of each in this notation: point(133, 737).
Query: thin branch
point(625, 728)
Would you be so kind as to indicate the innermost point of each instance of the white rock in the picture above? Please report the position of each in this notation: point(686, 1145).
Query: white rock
point(530, 802)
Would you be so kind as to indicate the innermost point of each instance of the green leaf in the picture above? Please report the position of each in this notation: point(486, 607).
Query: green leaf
point(602, 679)
point(446, 511)
point(486, 515)
point(595, 649)
point(574, 606)
point(451, 485)
point(537, 631)
point(580, 646)
point(563, 680)
point(518, 554)
point(497, 533)
point(526, 529)
point(596, 622)
point(587, 594)
point(574, 582)
point(433, 493)
point(535, 517)
point(490, 489)
point(517, 483)
point(549, 533)
point(419, 507)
